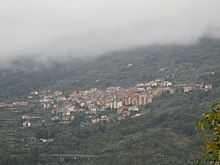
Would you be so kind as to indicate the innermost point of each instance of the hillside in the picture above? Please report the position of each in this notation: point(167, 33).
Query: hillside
point(164, 135)
point(194, 63)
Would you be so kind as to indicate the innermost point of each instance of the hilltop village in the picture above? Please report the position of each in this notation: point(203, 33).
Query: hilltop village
point(112, 103)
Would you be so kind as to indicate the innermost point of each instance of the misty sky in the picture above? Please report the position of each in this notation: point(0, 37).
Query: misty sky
point(88, 27)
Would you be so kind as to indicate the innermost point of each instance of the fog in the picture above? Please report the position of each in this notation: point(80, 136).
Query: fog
point(82, 28)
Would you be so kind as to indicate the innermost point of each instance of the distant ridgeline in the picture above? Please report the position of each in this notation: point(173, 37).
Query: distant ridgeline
point(195, 63)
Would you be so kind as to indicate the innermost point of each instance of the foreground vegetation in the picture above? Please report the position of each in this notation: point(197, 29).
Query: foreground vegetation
point(211, 122)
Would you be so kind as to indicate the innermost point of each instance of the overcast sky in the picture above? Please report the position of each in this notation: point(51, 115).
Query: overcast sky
point(88, 27)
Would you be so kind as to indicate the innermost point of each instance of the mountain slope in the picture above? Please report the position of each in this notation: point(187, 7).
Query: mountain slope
point(165, 135)
point(194, 63)
point(175, 63)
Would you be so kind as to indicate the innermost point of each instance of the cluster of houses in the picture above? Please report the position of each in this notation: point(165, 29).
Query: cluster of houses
point(158, 86)
point(193, 87)
point(124, 101)
point(93, 101)
point(14, 104)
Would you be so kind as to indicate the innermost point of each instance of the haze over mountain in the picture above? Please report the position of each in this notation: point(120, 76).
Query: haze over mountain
point(58, 29)
point(59, 58)
point(192, 63)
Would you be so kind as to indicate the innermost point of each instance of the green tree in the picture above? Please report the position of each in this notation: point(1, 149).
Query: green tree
point(210, 123)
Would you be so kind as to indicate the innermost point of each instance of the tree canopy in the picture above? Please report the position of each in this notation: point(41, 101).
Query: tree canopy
point(210, 122)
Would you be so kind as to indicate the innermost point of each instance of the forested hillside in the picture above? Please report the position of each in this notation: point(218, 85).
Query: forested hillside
point(193, 63)
point(163, 135)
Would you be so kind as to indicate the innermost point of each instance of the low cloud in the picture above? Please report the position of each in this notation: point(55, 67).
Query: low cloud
point(77, 28)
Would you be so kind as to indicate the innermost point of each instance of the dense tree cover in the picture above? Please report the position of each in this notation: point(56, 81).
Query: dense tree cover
point(166, 135)
point(195, 63)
